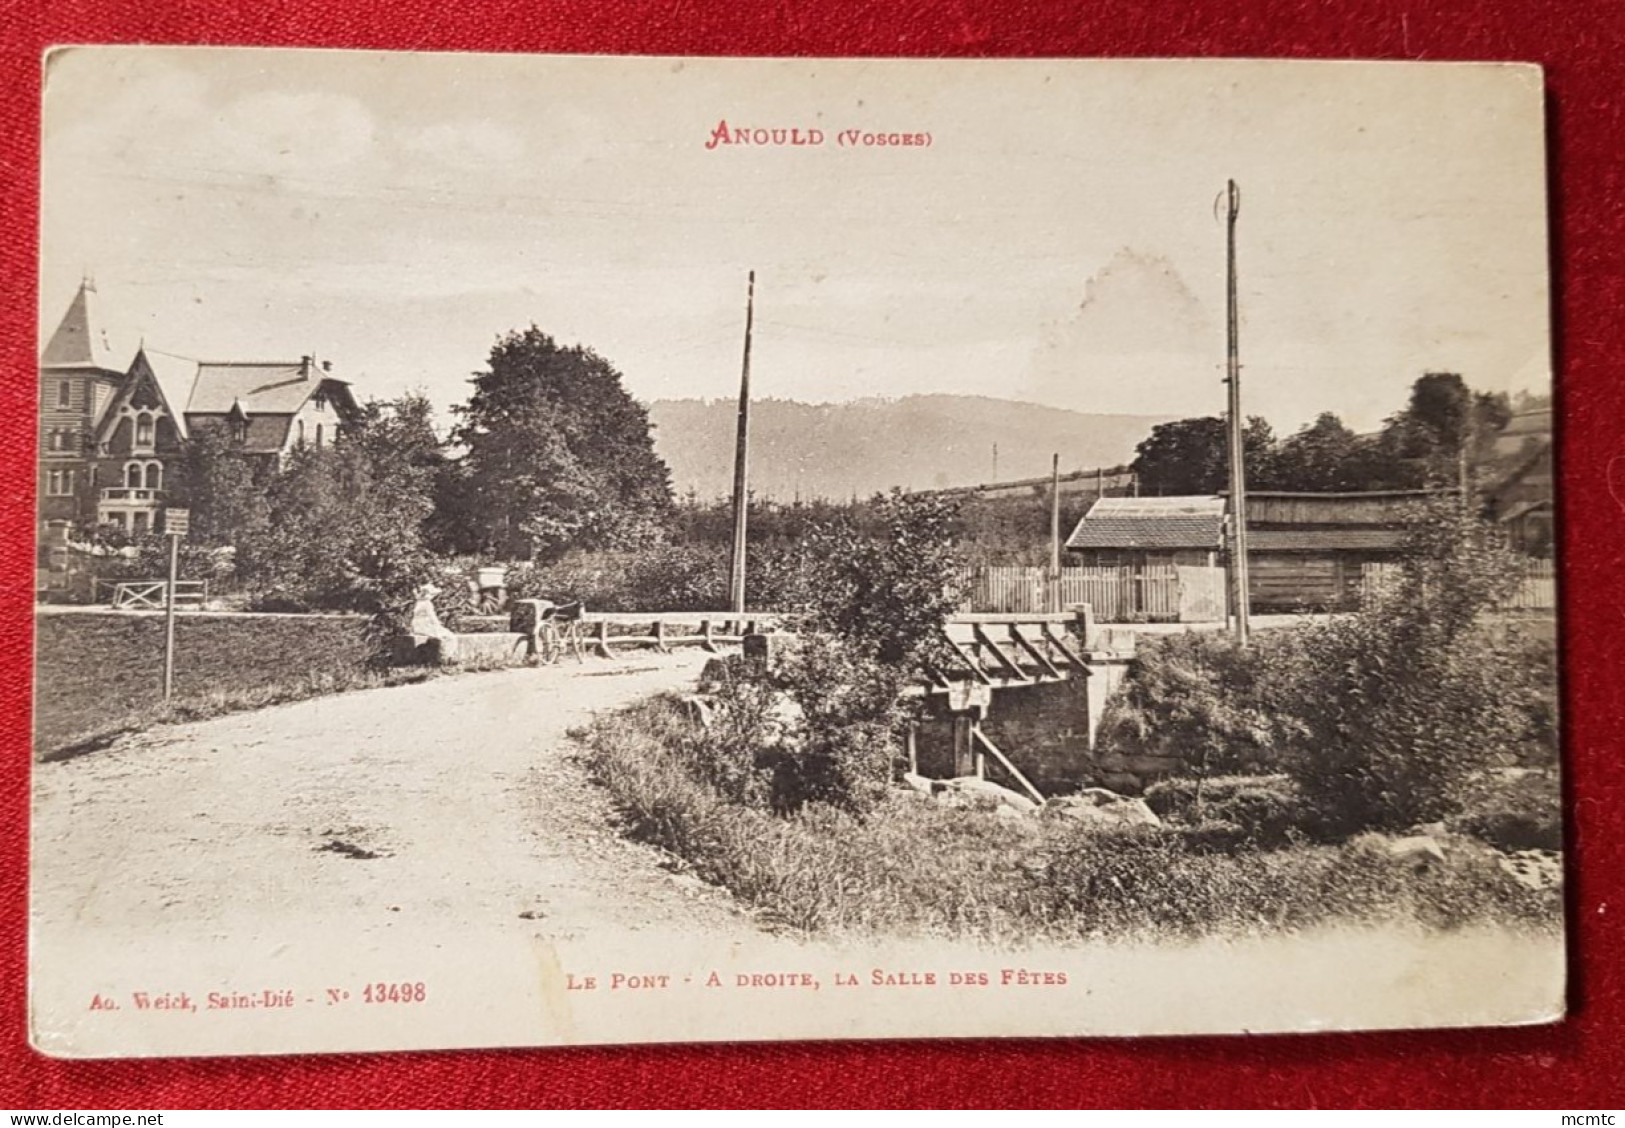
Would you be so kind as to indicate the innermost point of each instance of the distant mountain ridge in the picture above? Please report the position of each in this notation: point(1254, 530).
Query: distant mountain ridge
point(836, 450)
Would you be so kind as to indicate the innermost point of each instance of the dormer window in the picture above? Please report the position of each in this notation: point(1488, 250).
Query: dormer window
point(321, 401)
point(237, 422)
point(144, 431)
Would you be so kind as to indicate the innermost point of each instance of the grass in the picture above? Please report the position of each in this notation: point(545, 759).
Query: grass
point(913, 868)
point(99, 676)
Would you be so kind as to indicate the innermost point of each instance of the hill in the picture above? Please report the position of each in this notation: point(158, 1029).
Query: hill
point(835, 450)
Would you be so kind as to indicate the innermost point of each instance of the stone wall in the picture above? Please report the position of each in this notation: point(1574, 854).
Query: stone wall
point(1048, 731)
point(1043, 729)
point(492, 648)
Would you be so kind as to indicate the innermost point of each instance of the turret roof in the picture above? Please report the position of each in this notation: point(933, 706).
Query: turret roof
point(79, 340)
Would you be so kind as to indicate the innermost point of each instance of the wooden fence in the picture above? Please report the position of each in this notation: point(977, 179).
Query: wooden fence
point(152, 595)
point(1536, 590)
point(1155, 593)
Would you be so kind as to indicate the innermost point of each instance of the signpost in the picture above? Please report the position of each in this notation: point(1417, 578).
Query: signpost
point(177, 523)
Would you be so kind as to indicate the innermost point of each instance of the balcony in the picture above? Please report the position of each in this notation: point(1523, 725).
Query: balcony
point(130, 495)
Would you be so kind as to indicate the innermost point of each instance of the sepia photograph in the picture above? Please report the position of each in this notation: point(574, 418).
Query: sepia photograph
point(559, 550)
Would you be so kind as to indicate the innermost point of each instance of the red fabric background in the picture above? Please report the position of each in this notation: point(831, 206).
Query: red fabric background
point(1573, 1065)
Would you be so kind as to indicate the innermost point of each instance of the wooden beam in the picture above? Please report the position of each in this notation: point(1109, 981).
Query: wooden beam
point(1071, 655)
point(1005, 660)
point(975, 667)
point(1037, 655)
point(964, 740)
point(1015, 772)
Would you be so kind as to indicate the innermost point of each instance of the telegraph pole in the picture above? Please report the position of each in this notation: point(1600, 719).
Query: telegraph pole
point(1055, 517)
point(1241, 594)
point(1054, 585)
point(736, 565)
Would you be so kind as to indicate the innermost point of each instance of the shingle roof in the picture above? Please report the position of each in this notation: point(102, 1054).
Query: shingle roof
point(278, 387)
point(1368, 539)
point(1151, 523)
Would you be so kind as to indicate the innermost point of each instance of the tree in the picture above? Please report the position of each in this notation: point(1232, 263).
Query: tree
point(889, 593)
point(878, 604)
point(223, 488)
point(399, 436)
point(1191, 456)
point(1405, 701)
point(1321, 457)
point(1446, 427)
point(559, 455)
point(344, 534)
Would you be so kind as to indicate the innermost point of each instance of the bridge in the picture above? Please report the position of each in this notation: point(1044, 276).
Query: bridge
point(1017, 695)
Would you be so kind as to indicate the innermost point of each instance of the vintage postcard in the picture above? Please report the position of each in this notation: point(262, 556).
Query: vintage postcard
point(542, 550)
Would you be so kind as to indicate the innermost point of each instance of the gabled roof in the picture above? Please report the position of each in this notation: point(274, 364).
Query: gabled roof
point(175, 376)
point(262, 387)
point(79, 340)
point(164, 372)
point(1151, 523)
point(274, 387)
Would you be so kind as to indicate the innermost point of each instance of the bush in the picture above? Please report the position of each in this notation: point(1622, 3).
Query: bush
point(1201, 698)
point(1513, 810)
point(913, 867)
point(1381, 717)
point(1407, 700)
point(843, 751)
point(1229, 811)
point(1147, 880)
point(888, 593)
point(733, 753)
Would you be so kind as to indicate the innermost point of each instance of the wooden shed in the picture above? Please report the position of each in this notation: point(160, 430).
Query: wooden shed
point(1306, 551)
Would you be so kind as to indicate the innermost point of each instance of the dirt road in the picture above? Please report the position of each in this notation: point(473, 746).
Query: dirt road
point(457, 800)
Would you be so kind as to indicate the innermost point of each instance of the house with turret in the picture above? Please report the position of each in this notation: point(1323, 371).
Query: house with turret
point(113, 431)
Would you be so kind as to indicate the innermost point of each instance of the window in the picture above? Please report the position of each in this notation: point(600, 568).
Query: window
point(144, 431)
point(64, 393)
point(155, 475)
point(59, 483)
point(132, 475)
point(239, 430)
point(318, 436)
point(138, 521)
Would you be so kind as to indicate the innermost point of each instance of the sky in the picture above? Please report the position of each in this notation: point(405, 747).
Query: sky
point(1057, 241)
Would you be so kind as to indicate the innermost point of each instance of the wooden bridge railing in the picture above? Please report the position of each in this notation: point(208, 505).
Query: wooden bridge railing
point(1001, 650)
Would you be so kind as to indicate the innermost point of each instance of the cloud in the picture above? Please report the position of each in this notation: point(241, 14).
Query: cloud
point(1140, 340)
point(163, 122)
